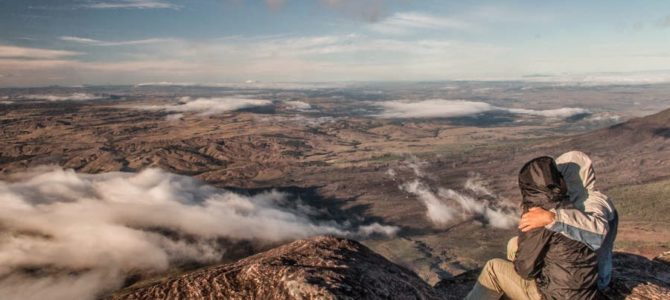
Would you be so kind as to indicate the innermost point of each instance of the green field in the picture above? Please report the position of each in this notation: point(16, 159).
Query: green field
point(646, 202)
point(644, 212)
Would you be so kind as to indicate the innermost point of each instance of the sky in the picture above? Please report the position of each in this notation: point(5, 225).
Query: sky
point(58, 42)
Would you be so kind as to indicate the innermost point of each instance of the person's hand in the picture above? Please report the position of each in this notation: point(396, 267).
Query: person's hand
point(536, 217)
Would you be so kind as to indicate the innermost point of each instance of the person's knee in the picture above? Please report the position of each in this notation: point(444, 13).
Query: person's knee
point(489, 278)
point(493, 265)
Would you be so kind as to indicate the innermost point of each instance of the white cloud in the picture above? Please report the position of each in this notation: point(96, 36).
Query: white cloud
point(285, 59)
point(477, 201)
point(255, 85)
point(92, 42)
point(480, 202)
point(440, 108)
point(7, 51)
point(433, 108)
point(86, 233)
point(70, 97)
point(406, 22)
point(605, 118)
point(133, 4)
point(209, 106)
point(565, 112)
point(298, 105)
point(166, 83)
point(330, 58)
point(378, 229)
point(437, 210)
point(600, 79)
point(174, 117)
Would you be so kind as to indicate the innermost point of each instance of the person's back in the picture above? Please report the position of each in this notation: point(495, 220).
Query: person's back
point(562, 268)
point(593, 219)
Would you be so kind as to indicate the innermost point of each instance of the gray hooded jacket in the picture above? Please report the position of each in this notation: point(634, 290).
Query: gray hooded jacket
point(593, 221)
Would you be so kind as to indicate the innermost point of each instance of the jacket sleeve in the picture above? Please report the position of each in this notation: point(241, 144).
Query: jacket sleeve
point(587, 223)
point(530, 254)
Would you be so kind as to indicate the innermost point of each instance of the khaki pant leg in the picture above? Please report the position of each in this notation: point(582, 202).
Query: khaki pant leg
point(512, 246)
point(498, 278)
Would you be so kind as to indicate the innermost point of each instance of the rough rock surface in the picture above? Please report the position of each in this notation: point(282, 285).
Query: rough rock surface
point(634, 277)
point(317, 268)
point(336, 268)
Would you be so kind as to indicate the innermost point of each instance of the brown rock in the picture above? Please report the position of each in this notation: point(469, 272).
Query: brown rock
point(317, 268)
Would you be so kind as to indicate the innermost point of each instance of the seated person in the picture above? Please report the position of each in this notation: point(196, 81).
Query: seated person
point(547, 265)
point(592, 219)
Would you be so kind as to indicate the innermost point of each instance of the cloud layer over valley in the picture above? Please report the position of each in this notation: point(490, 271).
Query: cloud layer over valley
point(441, 108)
point(58, 97)
point(210, 106)
point(66, 235)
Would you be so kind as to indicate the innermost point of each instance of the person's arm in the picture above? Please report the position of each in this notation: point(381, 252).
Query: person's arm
point(530, 254)
point(589, 226)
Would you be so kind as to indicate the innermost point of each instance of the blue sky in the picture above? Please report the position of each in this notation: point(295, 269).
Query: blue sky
point(215, 41)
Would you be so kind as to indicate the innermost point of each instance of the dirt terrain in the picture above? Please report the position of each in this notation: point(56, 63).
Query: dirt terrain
point(355, 168)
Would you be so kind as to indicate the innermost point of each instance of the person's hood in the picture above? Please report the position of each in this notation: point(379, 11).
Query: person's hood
point(541, 184)
point(577, 170)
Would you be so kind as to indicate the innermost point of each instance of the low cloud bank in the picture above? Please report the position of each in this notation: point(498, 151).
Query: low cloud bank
point(565, 112)
point(65, 235)
point(440, 108)
point(434, 108)
point(473, 201)
point(298, 105)
point(210, 106)
point(70, 97)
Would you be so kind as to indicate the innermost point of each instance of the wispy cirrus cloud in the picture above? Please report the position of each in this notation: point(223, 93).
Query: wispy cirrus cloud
point(8, 51)
point(94, 42)
point(329, 57)
point(133, 4)
point(405, 22)
point(285, 58)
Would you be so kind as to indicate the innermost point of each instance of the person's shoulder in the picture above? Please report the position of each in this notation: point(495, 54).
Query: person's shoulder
point(599, 201)
point(598, 196)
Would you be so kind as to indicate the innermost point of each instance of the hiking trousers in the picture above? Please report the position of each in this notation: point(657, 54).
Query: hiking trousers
point(498, 279)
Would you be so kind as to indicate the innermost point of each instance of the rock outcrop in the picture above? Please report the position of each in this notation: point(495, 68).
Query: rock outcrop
point(636, 277)
point(335, 268)
point(317, 268)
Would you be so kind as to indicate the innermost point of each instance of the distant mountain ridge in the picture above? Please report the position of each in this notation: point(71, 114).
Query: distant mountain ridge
point(633, 152)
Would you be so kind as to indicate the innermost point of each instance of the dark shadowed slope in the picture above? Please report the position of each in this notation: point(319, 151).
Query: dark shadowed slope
point(316, 268)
